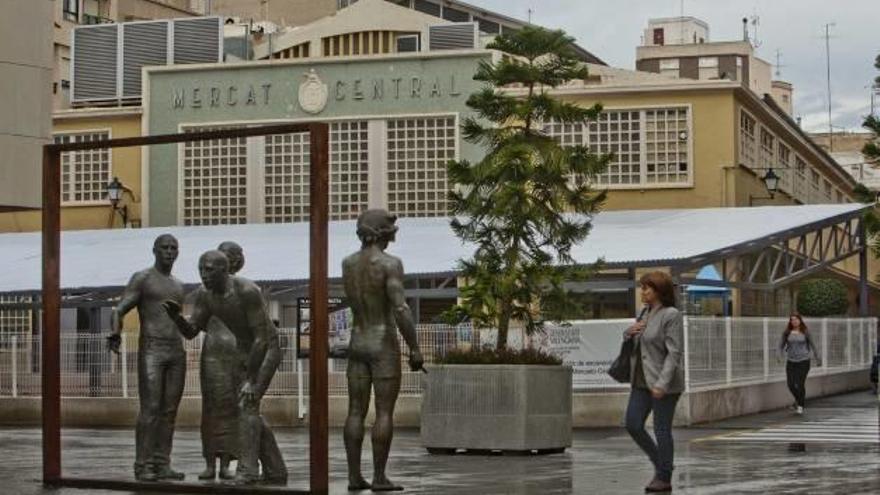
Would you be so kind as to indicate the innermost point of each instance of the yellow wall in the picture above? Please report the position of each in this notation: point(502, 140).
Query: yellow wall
point(713, 139)
point(125, 163)
point(717, 181)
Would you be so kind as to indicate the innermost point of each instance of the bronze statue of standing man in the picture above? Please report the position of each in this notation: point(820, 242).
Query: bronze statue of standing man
point(374, 288)
point(161, 360)
point(238, 304)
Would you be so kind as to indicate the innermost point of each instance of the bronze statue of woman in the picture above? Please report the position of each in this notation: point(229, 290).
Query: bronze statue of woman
point(221, 363)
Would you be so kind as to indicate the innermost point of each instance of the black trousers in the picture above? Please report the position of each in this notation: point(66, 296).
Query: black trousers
point(796, 375)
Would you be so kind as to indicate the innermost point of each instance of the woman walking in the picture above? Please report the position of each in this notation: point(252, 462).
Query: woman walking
point(797, 347)
point(657, 376)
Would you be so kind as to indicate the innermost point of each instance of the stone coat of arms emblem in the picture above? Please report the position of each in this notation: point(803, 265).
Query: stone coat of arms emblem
point(313, 93)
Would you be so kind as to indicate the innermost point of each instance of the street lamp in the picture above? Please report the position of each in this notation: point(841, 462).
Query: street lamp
point(771, 182)
point(115, 190)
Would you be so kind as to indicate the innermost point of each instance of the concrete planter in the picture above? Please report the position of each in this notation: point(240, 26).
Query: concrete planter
point(496, 407)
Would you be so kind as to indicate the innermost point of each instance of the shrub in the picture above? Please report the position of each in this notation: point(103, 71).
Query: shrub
point(822, 297)
point(490, 355)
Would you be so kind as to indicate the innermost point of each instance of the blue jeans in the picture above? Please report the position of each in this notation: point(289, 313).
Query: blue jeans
point(661, 453)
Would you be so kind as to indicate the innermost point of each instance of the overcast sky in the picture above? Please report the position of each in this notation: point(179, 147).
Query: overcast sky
point(611, 29)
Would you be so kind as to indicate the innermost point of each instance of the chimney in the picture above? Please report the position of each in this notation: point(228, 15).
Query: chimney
point(745, 29)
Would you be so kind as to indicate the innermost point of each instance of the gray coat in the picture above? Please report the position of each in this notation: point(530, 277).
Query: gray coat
point(661, 345)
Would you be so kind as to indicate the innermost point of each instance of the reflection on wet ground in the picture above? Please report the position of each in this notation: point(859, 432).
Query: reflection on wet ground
point(829, 451)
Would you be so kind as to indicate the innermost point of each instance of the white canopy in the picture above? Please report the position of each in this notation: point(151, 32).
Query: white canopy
point(97, 259)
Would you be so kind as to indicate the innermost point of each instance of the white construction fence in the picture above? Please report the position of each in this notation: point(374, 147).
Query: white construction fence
point(719, 352)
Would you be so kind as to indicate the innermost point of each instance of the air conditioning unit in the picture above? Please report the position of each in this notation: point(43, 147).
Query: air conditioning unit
point(107, 58)
point(454, 36)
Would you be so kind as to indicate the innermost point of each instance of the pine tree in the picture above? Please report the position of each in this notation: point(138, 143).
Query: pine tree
point(871, 152)
point(872, 123)
point(529, 200)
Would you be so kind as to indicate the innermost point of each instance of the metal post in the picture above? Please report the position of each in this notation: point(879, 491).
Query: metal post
point(51, 352)
point(123, 349)
point(863, 269)
point(766, 349)
point(849, 343)
point(14, 365)
point(300, 400)
point(687, 358)
point(728, 350)
point(318, 340)
point(825, 343)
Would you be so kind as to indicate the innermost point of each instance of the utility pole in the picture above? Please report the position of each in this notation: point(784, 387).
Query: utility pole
point(828, 26)
point(530, 14)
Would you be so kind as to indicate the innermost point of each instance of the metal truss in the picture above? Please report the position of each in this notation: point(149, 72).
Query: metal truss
point(783, 259)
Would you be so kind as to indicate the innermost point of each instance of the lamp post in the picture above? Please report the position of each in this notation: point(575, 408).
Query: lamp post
point(771, 182)
point(115, 190)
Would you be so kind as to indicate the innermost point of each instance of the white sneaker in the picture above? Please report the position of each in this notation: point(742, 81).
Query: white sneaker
point(800, 410)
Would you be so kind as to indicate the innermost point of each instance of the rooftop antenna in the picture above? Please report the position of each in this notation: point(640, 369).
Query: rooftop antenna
point(828, 27)
point(756, 21)
point(779, 63)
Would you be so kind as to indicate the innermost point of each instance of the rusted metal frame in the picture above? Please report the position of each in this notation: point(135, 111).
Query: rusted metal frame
point(318, 398)
point(51, 299)
point(51, 302)
point(236, 132)
point(174, 487)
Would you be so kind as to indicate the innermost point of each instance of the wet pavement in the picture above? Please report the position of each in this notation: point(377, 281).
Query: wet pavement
point(833, 449)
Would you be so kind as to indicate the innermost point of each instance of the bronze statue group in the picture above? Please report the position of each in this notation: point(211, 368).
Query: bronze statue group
point(241, 352)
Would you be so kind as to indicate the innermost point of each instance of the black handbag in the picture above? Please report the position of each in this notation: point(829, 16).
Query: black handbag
point(620, 368)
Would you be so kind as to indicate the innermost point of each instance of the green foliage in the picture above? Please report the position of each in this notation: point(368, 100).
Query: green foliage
point(489, 355)
point(529, 200)
point(872, 123)
point(871, 151)
point(822, 297)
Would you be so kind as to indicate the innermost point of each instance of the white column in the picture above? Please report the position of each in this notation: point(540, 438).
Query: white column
point(376, 155)
point(256, 179)
point(728, 349)
point(123, 349)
